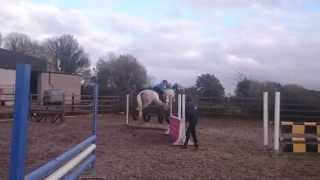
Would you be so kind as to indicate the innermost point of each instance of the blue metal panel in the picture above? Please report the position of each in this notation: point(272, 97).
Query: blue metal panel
point(20, 123)
point(52, 165)
point(85, 165)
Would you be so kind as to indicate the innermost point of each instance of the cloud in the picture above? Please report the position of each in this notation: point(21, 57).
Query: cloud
point(244, 3)
point(267, 40)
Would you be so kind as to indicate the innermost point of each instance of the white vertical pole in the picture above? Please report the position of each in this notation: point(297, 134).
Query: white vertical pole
point(183, 120)
point(127, 109)
point(183, 116)
point(277, 121)
point(168, 130)
point(179, 106)
point(171, 102)
point(265, 118)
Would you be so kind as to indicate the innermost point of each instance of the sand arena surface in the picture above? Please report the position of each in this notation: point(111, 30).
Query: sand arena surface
point(229, 149)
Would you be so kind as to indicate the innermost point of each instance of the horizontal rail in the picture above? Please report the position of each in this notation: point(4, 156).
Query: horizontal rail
point(52, 165)
point(62, 171)
point(74, 174)
point(300, 111)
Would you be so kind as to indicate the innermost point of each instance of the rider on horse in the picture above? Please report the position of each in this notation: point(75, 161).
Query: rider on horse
point(160, 95)
point(159, 88)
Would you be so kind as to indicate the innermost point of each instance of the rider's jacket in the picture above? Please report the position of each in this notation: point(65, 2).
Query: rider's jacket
point(160, 86)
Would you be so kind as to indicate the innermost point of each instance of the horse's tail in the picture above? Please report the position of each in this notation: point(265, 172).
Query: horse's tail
point(139, 102)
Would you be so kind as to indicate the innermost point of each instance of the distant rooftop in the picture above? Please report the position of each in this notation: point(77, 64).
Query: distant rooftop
point(9, 59)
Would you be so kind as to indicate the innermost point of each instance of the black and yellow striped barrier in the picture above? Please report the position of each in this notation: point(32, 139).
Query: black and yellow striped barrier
point(300, 137)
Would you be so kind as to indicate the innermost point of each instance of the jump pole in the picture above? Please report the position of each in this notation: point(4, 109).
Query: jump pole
point(171, 113)
point(171, 102)
point(183, 118)
point(20, 122)
point(277, 121)
point(179, 106)
point(265, 119)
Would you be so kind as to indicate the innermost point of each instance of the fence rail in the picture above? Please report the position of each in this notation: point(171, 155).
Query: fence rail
point(213, 106)
point(253, 107)
point(73, 104)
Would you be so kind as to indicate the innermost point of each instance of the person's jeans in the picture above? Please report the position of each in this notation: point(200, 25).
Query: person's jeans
point(191, 131)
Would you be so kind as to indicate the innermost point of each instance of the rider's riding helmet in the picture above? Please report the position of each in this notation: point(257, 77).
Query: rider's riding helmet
point(165, 83)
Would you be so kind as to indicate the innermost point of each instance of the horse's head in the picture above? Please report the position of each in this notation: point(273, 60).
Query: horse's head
point(168, 96)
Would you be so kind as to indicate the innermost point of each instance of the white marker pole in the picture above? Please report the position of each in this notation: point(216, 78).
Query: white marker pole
point(183, 115)
point(277, 121)
point(183, 118)
point(265, 118)
point(171, 101)
point(179, 106)
point(127, 110)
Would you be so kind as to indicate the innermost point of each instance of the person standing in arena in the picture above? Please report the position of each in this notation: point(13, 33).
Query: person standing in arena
point(192, 120)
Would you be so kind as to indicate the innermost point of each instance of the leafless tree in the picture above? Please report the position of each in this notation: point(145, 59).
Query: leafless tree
point(21, 43)
point(18, 42)
point(66, 55)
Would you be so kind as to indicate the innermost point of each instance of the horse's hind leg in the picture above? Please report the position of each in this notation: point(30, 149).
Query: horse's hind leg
point(160, 118)
point(146, 117)
point(135, 115)
point(167, 117)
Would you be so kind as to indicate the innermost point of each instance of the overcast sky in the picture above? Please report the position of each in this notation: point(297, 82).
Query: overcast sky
point(277, 40)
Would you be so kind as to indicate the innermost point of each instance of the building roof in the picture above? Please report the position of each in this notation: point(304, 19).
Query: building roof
point(9, 59)
point(60, 73)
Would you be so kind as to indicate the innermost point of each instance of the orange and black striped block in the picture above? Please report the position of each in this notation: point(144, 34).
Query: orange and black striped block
point(300, 137)
point(300, 145)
